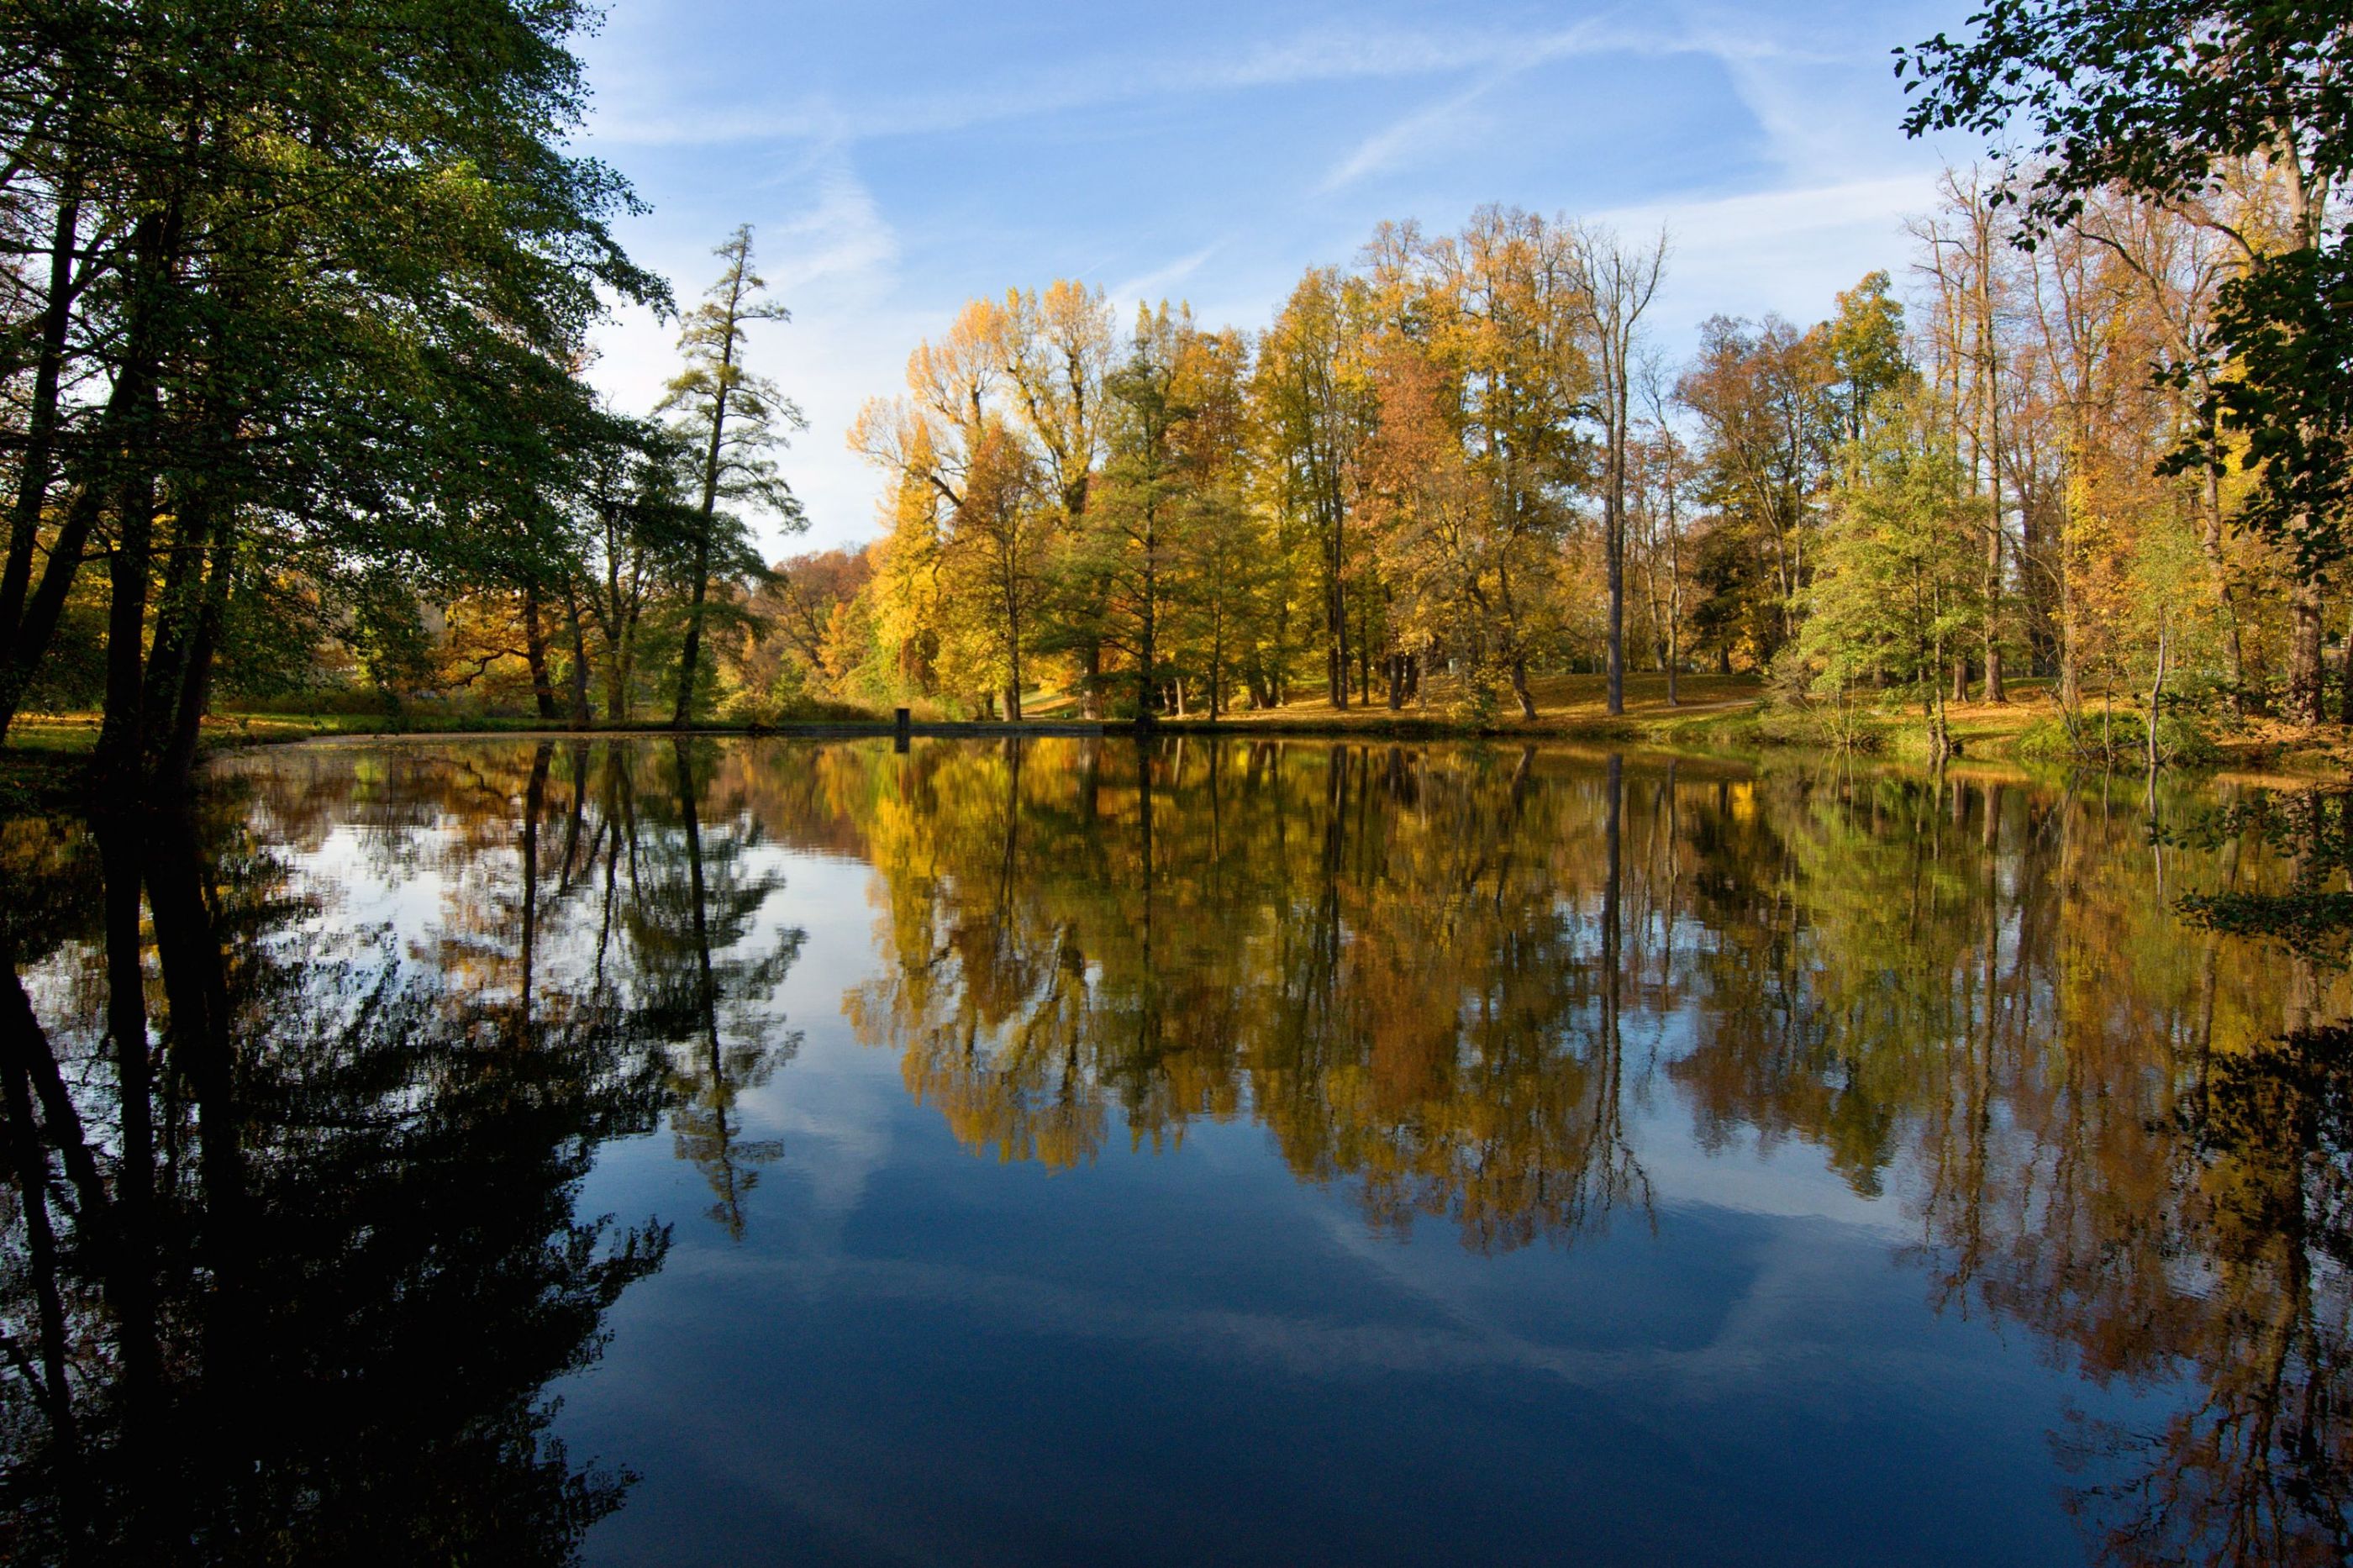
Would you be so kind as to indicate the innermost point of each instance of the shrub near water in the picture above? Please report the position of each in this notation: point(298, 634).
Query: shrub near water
point(1825, 726)
point(2119, 739)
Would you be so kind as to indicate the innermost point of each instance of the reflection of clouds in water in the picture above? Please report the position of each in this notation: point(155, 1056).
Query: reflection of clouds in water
point(834, 1108)
point(1763, 1344)
point(343, 873)
point(1793, 1181)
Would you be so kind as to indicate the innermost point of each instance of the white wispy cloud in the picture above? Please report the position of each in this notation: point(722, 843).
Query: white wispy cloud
point(1438, 127)
point(1427, 130)
point(842, 242)
point(1784, 249)
point(637, 110)
point(1146, 288)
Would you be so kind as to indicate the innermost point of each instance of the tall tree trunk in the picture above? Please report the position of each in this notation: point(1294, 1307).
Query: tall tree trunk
point(127, 440)
point(617, 623)
point(690, 650)
point(1012, 645)
point(20, 659)
point(122, 740)
point(534, 654)
point(580, 711)
point(1335, 612)
point(1613, 527)
point(1147, 653)
point(1520, 687)
point(193, 697)
point(178, 607)
point(2234, 662)
point(38, 467)
point(1994, 594)
point(2344, 696)
point(2307, 674)
point(1218, 672)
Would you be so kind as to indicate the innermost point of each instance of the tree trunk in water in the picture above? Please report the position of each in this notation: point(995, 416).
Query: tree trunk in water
point(54, 1390)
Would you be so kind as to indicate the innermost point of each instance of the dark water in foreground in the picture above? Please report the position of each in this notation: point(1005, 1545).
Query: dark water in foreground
point(768, 1152)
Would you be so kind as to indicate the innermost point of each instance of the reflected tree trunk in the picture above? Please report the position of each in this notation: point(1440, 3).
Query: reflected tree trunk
point(706, 995)
point(30, 1162)
point(126, 1023)
point(535, 800)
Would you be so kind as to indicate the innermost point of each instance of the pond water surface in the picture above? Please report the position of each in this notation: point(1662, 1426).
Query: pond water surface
point(1092, 1152)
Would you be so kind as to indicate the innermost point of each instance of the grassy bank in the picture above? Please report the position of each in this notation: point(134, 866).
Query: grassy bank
point(1719, 714)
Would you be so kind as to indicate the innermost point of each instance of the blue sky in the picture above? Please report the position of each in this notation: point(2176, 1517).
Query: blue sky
point(896, 159)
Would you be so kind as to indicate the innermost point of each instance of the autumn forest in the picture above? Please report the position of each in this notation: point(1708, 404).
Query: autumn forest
point(2079, 440)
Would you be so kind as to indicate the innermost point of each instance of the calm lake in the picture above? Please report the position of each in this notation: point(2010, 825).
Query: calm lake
point(1099, 1151)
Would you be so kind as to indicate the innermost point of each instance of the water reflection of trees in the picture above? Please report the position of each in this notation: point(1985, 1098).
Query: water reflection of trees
point(630, 877)
point(1443, 979)
point(1407, 968)
point(2122, 1133)
point(1445, 976)
point(293, 1245)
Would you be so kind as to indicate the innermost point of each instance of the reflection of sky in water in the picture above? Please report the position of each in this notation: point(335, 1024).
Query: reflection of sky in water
point(1193, 1357)
point(918, 1354)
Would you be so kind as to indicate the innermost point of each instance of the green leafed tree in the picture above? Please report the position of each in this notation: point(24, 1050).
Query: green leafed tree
point(1896, 585)
point(733, 421)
